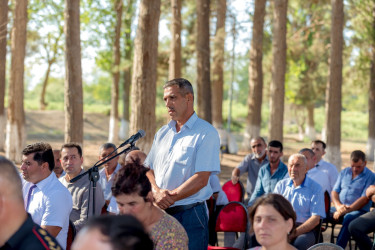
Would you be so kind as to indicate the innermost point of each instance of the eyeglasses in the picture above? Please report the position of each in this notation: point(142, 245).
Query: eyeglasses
point(257, 145)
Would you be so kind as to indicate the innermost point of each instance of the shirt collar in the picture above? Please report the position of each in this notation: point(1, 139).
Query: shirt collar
point(43, 183)
point(189, 124)
point(290, 184)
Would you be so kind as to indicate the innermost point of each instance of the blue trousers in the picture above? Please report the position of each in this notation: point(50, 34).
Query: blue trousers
point(344, 235)
point(195, 222)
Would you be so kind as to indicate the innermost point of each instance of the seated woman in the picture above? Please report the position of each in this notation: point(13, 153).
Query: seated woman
point(272, 219)
point(132, 191)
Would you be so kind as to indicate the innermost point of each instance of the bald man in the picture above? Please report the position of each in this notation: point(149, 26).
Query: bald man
point(18, 231)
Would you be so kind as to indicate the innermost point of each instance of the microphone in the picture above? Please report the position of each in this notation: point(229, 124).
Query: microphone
point(141, 133)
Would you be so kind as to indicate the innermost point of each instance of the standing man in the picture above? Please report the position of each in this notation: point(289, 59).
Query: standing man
point(319, 149)
point(251, 164)
point(270, 174)
point(17, 230)
point(46, 200)
point(107, 173)
point(59, 171)
point(80, 190)
point(307, 199)
point(349, 194)
point(183, 156)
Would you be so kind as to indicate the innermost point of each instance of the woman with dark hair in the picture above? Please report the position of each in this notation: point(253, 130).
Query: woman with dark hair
point(133, 194)
point(272, 219)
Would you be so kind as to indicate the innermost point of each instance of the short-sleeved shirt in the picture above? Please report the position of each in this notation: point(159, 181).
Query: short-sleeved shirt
point(177, 156)
point(112, 206)
point(266, 182)
point(307, 199)
point(50, 205)
point(350, 189)
point(321, 178)
point(330, 170)
point(168, 233)
point(107, 184)
point(222, 198)
point(31, 236)
point(251, 165)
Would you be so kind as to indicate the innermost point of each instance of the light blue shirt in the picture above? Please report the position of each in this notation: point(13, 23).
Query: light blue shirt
point(307, 199)
point(330, 170)
point(177, 156)
point(266, 182)
point(350, 189)
point(107, 184)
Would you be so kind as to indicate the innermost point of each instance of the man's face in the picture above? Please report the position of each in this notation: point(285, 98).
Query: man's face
point(296, 169)
point(31, 170)
point(258, 147)
point(58, 168)
point(274, 155)
point(358, 167)
point(177, 105)
point(110, 165)
point(319, 151)
point(71, 161)
point(311, 160)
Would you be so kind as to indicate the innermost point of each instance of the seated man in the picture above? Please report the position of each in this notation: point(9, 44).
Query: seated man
point(349, 194)
point(307, 199)
point(312, 172)
point(46, 200)
point(251, 164)
point(80, 190)
point(17, 230)
point(360, 228)
point(319, 147)
point(107, 173)
point(271, 173)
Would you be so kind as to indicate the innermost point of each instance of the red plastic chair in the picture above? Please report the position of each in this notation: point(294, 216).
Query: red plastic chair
point(71, 235)
point(232, 218)
point(234, 192)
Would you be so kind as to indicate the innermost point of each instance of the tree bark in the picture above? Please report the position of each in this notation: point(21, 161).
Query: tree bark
point(73, 74)
point(203, 60)
point(125, 121)
point(145, 73)
point(113, 119)
point(310, 128)
point(218, 65)
point(16, 134)
point(175, 56)
point(371, 100)
point(278, 71)
point(3, 53)
point(333, 92)
point(254, 99)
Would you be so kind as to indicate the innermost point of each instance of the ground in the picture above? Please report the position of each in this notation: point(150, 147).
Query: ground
point(48, 126)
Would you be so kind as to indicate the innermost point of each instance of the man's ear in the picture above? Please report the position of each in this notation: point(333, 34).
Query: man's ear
point(45, 165)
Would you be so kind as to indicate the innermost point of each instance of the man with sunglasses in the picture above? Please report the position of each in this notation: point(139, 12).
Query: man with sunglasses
point(251, 164)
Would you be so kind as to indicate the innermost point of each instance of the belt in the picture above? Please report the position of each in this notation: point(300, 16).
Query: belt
point(178, 209)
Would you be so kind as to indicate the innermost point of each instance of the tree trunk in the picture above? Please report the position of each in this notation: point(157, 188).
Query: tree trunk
point(333, 92)
point(254, 99)
point(129, 13)
point(310, 128)
point(3, 53)
point(73, 74)
point(145, 72)
point(175, 56)
point(16, 134)
point(371, 100)
point(113, 119)
point(203, 60)
point(42, 102)
point(218, 65)
point(278, 71)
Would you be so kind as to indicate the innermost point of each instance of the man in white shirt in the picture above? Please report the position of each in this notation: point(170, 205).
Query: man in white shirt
point(107, 173)
point(329, 169)
point(47, 201)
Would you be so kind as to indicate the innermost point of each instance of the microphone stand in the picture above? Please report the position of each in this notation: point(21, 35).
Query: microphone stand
point(93, 173)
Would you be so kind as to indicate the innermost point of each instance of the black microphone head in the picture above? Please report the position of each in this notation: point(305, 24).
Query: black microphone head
point(142, 133)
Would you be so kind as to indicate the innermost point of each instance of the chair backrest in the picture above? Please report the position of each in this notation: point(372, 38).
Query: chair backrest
point(71, 235)
point(211, 204)
point(234, 192)
point(232, 218)
point(327, 203)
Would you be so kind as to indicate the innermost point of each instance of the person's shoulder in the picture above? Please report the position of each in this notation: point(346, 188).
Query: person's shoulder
point(313, 185)
point(38, 238)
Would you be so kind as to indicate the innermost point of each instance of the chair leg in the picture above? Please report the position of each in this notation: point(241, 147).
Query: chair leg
point(332, 233)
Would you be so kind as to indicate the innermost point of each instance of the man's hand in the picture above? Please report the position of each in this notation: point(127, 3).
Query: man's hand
point(341, 211)
point(235, 179)
point(163, 198)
